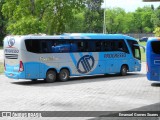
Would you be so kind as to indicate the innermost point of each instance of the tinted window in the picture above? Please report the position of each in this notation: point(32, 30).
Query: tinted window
point(115, 45)
point(50, 46)
point(78, 45)
point(39, 46)
point(156, 47)
point(33, 46)
point(135, 49)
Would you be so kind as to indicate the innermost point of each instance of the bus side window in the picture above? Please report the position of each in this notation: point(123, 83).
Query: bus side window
point(44, 47)
point(113, 46)
point(91, 46)
point(122, 46)
point(80, 46)
point(107, 46)
point(98, 46)
point(73, 47)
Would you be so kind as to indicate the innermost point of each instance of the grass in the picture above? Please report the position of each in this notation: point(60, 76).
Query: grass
point(1, 47)
point(143, 53)
point(1, 68)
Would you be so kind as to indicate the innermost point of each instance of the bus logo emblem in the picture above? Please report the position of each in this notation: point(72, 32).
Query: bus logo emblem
point(85, 64)
point(11, 42)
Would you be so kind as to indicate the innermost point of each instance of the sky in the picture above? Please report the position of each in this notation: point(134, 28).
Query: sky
point(128, 5)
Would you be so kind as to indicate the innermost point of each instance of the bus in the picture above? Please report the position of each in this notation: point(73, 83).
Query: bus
point(153, 59)
point(59, 57)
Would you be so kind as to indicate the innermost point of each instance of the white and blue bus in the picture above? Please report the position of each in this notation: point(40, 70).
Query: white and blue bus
point(59, 57)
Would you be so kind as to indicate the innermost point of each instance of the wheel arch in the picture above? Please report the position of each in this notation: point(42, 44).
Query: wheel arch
point(66, 69)
point(51, 69)
point(126, 66)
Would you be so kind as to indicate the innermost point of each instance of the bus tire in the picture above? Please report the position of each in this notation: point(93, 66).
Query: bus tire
point(123, 71)
point(50, 76)
point(64, 75)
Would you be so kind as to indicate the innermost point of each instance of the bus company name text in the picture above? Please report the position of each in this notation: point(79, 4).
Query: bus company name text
point(48, 59)
point(11, 51)
point(117, 55)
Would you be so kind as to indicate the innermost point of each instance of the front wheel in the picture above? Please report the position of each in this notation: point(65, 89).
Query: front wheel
point(123, 71)
point(50, 76)
point(64, 75)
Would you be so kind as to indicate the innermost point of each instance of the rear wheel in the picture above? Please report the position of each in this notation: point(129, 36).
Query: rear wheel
point(50, 76)
point(123, 71)
point(64, 75)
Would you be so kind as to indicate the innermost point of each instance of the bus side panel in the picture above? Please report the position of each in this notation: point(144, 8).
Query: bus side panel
point(32, 70)
point(99, 68)
point(115, 60)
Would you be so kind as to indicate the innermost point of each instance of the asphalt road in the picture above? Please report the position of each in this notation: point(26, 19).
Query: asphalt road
point(98, 93)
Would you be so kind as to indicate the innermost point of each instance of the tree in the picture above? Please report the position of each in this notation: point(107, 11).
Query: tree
point(156, 21)
point(157, 31)
point(93, 16)
point(142, 20)
point(2, 23)
point(115, 20)
point(129, 26)
point(75, 25)
point(39, 16)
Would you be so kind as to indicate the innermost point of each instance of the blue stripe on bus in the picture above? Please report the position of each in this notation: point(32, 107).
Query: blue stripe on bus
point(81, 55)
point(73, 58)
point(90, 53)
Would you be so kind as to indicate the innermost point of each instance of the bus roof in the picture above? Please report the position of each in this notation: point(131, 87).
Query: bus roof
point(98, 36)
point(153, 39)
point(76, 36)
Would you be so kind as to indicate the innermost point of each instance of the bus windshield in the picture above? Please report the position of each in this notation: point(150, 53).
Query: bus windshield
point(155, 47)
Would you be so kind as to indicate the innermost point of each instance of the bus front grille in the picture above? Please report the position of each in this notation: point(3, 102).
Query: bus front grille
point(11, 56)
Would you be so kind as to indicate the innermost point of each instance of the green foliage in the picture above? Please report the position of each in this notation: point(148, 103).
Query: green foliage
point(157, 31)
point(2, 23)
point(142, 20)
point(93, 16)
point(156, 17)
point(27, 25)
point(1, 68)
point(76, 24)
point(143, 53)
point(59, 16)
point(37, 16)
point(115, 20)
